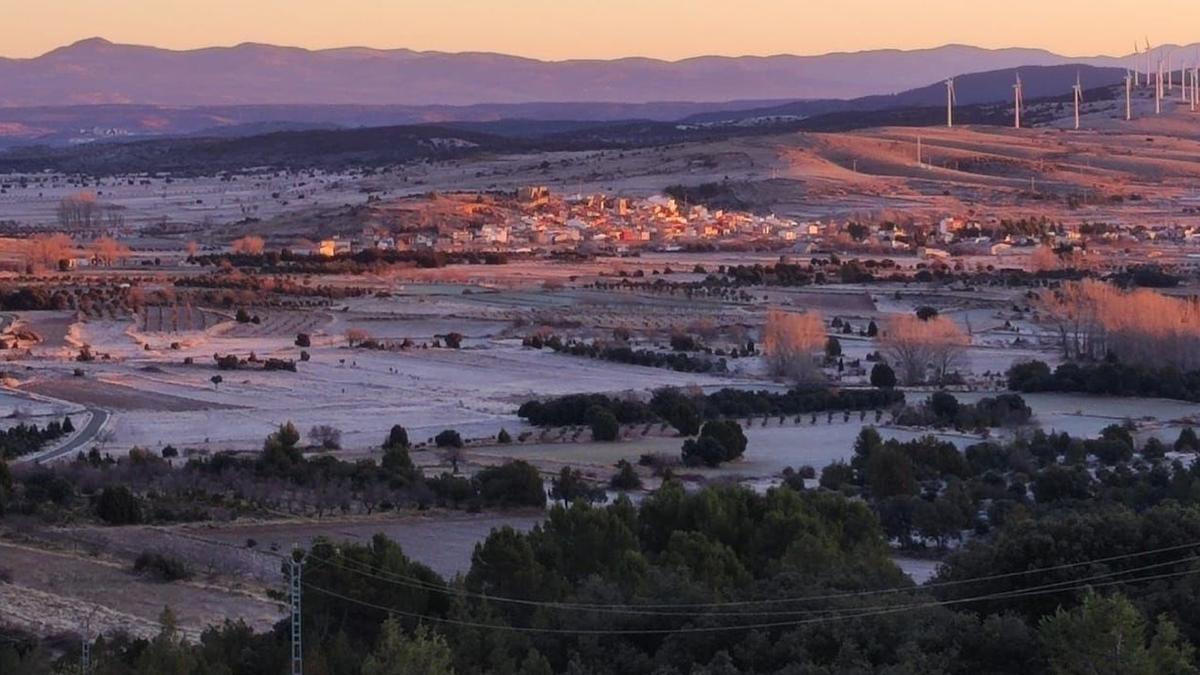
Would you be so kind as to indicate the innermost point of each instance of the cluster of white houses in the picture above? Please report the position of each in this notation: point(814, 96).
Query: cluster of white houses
point(539, 221)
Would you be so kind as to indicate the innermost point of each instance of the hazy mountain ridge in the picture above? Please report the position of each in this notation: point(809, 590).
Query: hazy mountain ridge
point(970, 89)
point(62, 124)
point(337, 149)
point(96, 71)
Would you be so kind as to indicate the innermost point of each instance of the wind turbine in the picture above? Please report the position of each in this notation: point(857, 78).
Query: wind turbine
point(1149, 67)
point(1195, 88)
point(1158, 89)
point(1136, 64)
point(1078, 90)
point(1170, 74)
point(950, 101)
point(1128, 95)
point(1183, 84)
point(1017, 100)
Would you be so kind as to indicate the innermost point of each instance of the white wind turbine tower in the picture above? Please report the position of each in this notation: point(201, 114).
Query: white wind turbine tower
point(1195, 88)
point(1183, 83)
point(1136, 64)
point(1189, 93)
point(1078, 91)
point(1170, 74)
point(1149, 66)
point(1158, 89)
point(1018, 98)
point(950, 100)
point(1128, 95)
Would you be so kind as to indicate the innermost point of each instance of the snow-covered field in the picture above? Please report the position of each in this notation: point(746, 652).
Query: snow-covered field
point(155, 398)
point(475, 390)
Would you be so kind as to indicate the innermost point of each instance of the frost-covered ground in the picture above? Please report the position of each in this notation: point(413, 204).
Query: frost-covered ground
point(769, 451)
point(475, 390)
point(156, 398)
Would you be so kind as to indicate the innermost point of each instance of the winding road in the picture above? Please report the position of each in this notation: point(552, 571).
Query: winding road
point(85, 436)
point(99, 417)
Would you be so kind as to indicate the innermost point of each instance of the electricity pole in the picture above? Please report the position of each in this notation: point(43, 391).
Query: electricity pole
point(85, 656)
point(294, 567)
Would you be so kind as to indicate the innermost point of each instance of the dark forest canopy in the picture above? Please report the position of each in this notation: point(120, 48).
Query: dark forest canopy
point(1082, 546)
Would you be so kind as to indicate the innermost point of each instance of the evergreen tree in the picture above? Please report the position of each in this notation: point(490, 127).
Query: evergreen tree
point(422, 653)
point(1108, 635)
point(397, 438)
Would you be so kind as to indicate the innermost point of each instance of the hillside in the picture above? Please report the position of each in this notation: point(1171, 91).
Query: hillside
point(971, 89)
point(377, 146)
point(96, 71)
point(385, 146)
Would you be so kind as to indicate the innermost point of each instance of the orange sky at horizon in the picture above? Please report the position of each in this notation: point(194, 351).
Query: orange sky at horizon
point(563, 29)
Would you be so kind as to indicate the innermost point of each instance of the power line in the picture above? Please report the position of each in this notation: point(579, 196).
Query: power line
point(750, 626)
point(417, 583)
point(637, 611)
point(648, 609)
point(568, 606)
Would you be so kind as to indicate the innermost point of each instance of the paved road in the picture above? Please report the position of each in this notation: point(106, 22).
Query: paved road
point(85, 436)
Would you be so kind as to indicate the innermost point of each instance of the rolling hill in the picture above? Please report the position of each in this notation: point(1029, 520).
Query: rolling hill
point(971, 89)
point(96, 71)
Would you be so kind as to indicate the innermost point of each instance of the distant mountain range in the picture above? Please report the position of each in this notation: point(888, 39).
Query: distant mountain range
point(84, 123)
point(275, 146)
point(971, 89)
point(96, 71)
point(72, 125)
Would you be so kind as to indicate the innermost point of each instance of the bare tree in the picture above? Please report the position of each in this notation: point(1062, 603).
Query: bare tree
point(47, 250)
point(326, 436)
point(914, 346)
point(1044, 259)
point(1142, 326)
point(250, 245)
point(789, 342)
point(79, 211)
point(114, 217)
point(108, 251)
point(355, 336)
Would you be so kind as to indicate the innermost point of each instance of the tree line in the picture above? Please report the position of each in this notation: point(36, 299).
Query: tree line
point(619, 352)
point(1109, 377)
point(685, 411)
point(722, 581)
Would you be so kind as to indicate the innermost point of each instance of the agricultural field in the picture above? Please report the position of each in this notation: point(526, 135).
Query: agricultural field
point(180, 371)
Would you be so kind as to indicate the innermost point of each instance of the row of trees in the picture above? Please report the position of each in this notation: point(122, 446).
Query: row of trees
point(687, 410)
point(943, 410)
point(23, 438)
point(922, 347)
point(143, 487)
point(620, 352)
point(83, 211)
point(54, 251)
point(1094, 319)
point(1108, 378)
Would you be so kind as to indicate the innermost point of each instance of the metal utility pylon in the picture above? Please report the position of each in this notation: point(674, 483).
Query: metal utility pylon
point(294, 569)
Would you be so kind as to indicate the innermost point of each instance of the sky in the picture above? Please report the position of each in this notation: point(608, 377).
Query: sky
point(562, 29)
